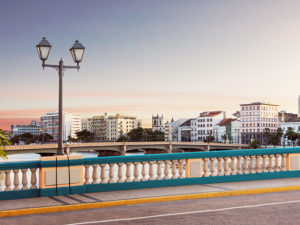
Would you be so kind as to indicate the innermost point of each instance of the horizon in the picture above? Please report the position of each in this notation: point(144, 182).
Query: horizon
point(173, 58)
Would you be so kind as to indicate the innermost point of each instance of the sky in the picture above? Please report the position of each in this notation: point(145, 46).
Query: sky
point(172, 57)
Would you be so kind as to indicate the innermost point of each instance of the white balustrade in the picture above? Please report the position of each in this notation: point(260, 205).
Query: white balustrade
point(111, 173)
point(128, 172)
point(181, 169)
point(103, 174)
point(121, 173)
point(24, 179)
point(167, 170)
point(87, 174)
point(95, 174)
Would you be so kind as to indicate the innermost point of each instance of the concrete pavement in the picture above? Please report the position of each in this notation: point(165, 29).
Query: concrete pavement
point(141, 196)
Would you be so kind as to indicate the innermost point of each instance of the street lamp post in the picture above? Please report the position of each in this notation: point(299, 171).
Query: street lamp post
point(77, 51)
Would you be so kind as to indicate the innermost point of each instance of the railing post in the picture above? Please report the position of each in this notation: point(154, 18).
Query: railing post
point(226, 169)
point(120, 173)
point(181, 161)
point(7, 180)
point(258, 168)
point(33, 178)
point(239, 165)
point(24, 179)
point(102, 176)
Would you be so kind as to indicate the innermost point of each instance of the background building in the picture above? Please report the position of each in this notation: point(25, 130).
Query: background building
point(110, 128)
point(255, 117)
point(86, 124)
point(283, 116)
point(158, 123)
point(184, 131)
point(33, 128)
point(71, 124)
point(171, 129)
point(202, 126)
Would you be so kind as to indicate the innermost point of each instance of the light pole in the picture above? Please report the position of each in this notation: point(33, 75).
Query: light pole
point(77, 51)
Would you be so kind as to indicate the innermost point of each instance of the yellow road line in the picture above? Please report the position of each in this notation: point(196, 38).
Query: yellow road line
point(50, 209)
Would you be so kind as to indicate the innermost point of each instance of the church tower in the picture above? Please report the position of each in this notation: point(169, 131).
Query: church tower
point(158, 123)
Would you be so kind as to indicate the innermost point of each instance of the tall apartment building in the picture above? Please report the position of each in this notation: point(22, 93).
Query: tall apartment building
point(110, 128)
point(86, 124)
point(71, 124)
point(33, 128)
point(255, 117)
point(158, 123)
point(202, 126)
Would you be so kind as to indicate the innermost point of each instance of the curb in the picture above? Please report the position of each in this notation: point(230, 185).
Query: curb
point(52, 209)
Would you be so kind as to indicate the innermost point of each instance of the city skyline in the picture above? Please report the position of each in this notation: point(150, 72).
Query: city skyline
point(173, 58)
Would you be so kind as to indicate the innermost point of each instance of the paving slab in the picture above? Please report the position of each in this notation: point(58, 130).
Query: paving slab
point(144, 193)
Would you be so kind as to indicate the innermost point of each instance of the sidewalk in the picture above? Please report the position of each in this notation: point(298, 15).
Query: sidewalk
point(141, 196)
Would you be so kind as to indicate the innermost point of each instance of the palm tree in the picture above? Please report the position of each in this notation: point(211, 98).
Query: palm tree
point(3, 143)
point(291, 135)
point(279, 133)
point(224, 138)
point(274, 140)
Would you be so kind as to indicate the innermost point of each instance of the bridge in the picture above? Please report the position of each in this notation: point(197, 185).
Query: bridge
point(120, 148)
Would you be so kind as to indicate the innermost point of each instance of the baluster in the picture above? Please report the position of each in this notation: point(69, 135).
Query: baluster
point(245, 165)
point(213, 172)
point(181, 161)
point(258, 168)
point(232, 166)
point(226, 169)
point(167, 171)
point(144, 174)
point(174, 169)
point(264, 165)
point(16, 180)
point(102, 175)
point(159, 170)
point(283, 162)
point(7, 180)
point(151, 171)
point(120, 173)
point(95, 174)
point(136, 171)
point(270, 166)
point(220, 169)
point(205, 170)
point(111, 173)
point(87, 174)
point(239, 165)
point(252, 168)
point(33, 178)
point(24, 179)
point(277, 157)
point(128, 172)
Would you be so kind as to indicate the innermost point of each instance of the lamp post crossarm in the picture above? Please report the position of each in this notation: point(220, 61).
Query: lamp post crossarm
point(72, 67)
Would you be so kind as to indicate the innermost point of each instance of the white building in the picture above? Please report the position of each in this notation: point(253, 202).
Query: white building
point(255, 118)
point(295, 125)
point(110, 128)
point(202, 126)
point(184, 131)
point(171, 129)
point(71, 124)
point(158, 123)
point(86, 124)
point(236, 131)
point(33, 128)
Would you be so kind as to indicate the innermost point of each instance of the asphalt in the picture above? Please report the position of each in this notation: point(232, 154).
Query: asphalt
point(141, 196)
